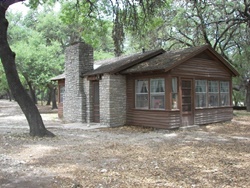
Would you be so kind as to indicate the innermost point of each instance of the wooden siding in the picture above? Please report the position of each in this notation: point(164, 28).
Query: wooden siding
point(213, 115)
point(154, 118)
point(197, 67)
point(60, 110)
point(60, 104)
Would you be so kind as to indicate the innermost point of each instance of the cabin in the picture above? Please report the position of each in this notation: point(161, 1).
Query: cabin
point(158, 88)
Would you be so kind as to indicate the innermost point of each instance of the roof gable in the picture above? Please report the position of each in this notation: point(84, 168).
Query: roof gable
point(172, 59)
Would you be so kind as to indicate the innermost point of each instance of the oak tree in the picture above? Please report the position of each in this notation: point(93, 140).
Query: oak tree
point(7, 56)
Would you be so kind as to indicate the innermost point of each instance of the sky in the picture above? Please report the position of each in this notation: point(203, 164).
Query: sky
point(18, 7)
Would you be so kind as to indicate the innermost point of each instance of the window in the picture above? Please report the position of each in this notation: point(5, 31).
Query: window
point(141, 94)
point(213, 92)
point(201, 93)
point(157, 93)
point(174, 93)
point(150, 94)
point(224, 93)
point(61, 93)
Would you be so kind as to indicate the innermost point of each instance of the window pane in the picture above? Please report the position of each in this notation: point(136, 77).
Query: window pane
point(157, 102)
point(201, 99)
point(213, 99)
point(157, 85)
point(142, 101)
point(174, 93)
point(201, 93)
point(224, 93)
point(200, 86)
point(213, 86)
point(141, 94)
point(141, 86)
point(224, 87)
point(157, 93)
point(213, 89)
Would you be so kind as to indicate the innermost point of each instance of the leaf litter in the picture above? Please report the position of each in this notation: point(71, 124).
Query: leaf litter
point(214, 155)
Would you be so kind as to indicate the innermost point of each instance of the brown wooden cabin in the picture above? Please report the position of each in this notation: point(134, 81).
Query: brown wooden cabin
point(185, 87)
point(168, 89)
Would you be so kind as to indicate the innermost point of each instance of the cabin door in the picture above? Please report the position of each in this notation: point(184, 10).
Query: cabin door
point(96, 102)
point(187, 104)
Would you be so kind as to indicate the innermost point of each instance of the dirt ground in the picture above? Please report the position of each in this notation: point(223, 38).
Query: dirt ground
point(215, 155)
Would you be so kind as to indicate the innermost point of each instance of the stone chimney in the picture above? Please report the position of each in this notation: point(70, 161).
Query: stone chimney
point(78, 60)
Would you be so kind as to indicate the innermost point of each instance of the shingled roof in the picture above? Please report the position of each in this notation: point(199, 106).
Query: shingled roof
point(121, 63)
point(171, 59)
point(156, 60)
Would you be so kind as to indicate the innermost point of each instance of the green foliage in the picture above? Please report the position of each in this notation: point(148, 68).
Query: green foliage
point(100, 55)
point(3, 81)
point(87, 26)
point(39, 50)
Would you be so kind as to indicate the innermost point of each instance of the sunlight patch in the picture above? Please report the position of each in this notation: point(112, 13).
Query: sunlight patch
point(170, 135)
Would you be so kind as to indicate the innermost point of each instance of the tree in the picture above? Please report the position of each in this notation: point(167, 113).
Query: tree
point(39, 50)
point(222, 24)
point(7, 56)
point(95, 18)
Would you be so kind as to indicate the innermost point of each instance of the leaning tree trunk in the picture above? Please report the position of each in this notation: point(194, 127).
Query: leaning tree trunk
point(29, 109)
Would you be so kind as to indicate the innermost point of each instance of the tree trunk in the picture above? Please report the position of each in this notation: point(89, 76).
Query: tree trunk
point(49, 94)
point(248, 96)
point(9, 95)
point(53, 96)
point(29, 109)
point(32, 92)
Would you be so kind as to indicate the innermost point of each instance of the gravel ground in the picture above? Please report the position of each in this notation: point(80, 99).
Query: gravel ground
point(209, 156)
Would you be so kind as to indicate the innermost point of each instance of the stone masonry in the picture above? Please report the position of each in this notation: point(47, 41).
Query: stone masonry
point(79, 59)
point(113, 100)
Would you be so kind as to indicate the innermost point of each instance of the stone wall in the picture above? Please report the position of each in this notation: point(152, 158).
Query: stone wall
point(113, 100)
point(78, 60)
